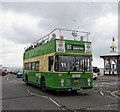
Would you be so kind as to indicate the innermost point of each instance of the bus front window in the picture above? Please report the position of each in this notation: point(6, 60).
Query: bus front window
point(73, 63)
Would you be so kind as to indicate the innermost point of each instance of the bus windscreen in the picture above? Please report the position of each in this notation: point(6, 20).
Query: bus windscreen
point(73, 63)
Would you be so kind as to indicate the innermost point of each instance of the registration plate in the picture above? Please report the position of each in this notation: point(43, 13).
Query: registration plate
point(76, 75)
point(76, 80)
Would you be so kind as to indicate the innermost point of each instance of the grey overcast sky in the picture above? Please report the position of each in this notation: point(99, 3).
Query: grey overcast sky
point(24, 22)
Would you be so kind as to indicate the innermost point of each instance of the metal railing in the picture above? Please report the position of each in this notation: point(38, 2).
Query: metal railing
point(48, 37)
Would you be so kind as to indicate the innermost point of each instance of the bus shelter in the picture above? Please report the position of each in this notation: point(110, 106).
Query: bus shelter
point(111, 63)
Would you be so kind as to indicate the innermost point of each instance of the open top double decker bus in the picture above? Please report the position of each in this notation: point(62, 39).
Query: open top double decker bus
point(60, 60)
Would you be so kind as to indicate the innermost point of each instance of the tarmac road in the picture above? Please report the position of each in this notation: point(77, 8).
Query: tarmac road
point(17, 96)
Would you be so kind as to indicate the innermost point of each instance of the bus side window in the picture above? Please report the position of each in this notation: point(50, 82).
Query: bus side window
point(37, 66)
point(50, 63)
point(29, 66)
point(25, 66)
point(33, 66)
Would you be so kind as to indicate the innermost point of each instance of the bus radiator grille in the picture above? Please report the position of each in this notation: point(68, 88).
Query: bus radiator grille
point(76, 82)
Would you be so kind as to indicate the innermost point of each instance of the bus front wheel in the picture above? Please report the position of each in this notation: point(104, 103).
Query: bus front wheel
point(43, 85)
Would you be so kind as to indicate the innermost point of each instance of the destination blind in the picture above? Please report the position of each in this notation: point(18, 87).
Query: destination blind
point(74, 47)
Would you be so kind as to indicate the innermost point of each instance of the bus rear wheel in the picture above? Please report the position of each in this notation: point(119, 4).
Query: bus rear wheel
point(74, 91)
point(43, 85)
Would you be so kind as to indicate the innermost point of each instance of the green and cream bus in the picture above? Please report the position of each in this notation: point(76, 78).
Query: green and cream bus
point(60, 60)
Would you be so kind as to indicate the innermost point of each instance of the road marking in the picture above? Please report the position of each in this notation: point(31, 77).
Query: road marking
point(101, 93)
point(113, 94)
point(108, 91)
point(28, 91)
point(36, 94)
point(46, 98)
point(54, 102)
point(7, 79)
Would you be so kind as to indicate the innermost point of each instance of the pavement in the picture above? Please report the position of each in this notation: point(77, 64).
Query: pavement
point(112, 78)
point(109, 77)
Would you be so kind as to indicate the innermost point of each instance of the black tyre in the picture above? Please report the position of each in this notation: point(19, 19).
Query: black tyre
point(26, 80)
point(74, 91)
point(95, 78)
point(43, 85)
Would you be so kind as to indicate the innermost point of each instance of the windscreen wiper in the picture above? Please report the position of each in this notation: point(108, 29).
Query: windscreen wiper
point(73, 67)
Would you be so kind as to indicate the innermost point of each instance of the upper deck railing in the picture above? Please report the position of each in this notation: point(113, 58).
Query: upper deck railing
point(60, 34)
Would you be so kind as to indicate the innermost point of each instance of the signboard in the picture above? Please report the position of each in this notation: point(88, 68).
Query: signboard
point(74, 47)
point(88, 48)
point(60, 46)
point(78, 47)
point(68, 46)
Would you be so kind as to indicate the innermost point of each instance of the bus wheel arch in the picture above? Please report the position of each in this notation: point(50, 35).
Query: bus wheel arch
point(43, 84)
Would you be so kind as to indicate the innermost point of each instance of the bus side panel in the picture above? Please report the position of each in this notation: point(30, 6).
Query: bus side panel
point(30, 75)
point(65, 81)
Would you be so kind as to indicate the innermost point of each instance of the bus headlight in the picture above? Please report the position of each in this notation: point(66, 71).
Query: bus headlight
point(88, 82)
point(62, 82)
